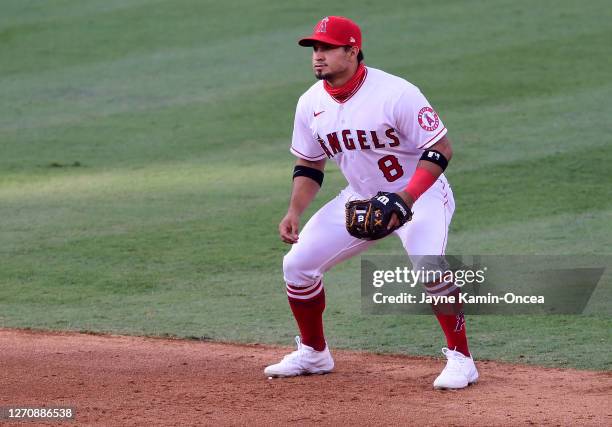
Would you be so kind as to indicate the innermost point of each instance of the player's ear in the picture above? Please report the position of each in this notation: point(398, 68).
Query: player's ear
point(352, 50)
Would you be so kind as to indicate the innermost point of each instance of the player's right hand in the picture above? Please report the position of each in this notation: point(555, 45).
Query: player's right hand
point(289, 228)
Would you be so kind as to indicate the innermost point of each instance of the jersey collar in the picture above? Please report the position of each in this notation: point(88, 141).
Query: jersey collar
point(346, 91)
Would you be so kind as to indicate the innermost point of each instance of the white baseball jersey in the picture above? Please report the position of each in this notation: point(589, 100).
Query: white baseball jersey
point(376, 137)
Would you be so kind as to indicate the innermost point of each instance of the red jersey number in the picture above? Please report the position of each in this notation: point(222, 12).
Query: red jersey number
point(391, 168)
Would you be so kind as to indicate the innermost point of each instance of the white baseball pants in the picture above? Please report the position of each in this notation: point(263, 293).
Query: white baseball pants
point(324, 241)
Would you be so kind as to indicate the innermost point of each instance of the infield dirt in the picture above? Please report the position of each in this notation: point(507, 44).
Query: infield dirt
point(121, 380)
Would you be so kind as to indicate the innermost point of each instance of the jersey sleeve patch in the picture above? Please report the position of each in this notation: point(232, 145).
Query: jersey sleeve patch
point(418, 122)
point(428, 119)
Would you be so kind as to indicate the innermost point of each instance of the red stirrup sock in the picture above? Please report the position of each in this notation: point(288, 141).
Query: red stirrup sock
point(453, 326)
point(308, 314)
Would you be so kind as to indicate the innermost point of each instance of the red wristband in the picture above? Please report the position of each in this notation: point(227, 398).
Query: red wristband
point(420, 182)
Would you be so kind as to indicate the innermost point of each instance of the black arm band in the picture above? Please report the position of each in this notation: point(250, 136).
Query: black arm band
point(315, 174)
point(436, 157)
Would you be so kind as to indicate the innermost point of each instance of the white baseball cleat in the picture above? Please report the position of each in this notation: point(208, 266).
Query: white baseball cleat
point(304, 361)
point(460, 371)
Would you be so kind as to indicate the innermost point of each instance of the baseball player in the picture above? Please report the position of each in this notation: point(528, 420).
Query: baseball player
point(391, 146)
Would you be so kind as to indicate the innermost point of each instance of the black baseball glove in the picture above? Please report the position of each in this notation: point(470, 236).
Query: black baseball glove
point(368, 219)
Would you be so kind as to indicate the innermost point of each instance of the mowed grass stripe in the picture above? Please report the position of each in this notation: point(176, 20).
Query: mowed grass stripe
point(483, 138)
point(154, 84)
point(573, 181)
point(18, 13)
point(543, 184)
point(560, 233)
point(203, 66)
point(530, 130)
point(159, 80)
point(135, 27)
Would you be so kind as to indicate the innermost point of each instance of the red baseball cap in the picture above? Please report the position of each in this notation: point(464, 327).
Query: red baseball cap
point(336, 31)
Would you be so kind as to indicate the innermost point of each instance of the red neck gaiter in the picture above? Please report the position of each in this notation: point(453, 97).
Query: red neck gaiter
point(347, 90)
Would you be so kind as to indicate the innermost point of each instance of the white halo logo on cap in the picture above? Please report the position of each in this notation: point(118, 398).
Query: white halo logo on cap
point(323, 25)
point(352, 40)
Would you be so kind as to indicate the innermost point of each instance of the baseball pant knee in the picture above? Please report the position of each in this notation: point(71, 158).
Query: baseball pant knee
point(434, 274)
point(297, 271)
point(302, 283)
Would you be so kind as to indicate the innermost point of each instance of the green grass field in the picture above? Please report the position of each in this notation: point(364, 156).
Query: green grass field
point(144, 162)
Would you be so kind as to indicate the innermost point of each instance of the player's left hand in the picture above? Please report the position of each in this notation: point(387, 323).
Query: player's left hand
point(394, 222)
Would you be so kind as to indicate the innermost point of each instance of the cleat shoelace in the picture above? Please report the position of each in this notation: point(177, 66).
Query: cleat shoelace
point(455, 360)
point(295, 355)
